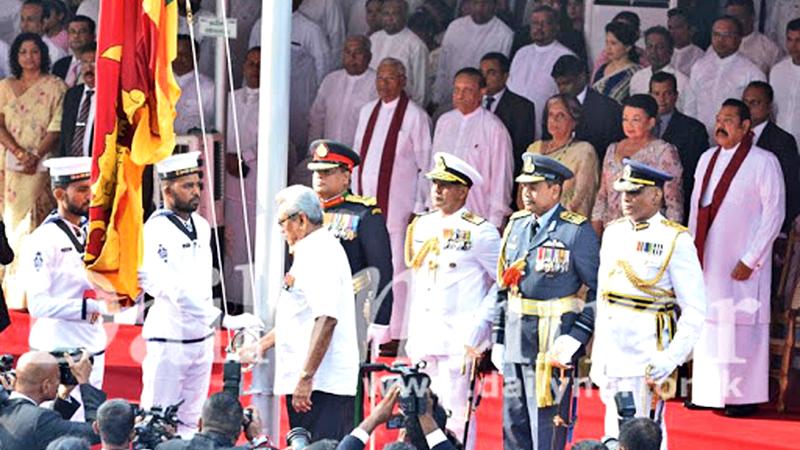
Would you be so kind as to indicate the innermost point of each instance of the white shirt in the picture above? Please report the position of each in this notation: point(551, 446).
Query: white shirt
point(785, 80)
point(357, 19)
point(530, 75)
point(713, 81)
point(779, 14)
point(87, 136)
point(334, 113)
point(758, 129)
point(54, 51)
point(480, 139)
point(177, 271)
point(5, 70)
point(89, 8)
point(640, 83)
point(312, 39)
point(330, 18)
point(684, 58)
point(409, 49)
point(322, 286)
point(9, 20)
point(761, 50)
point(409, 187)
point(464, 44)
point(453, 289)
point(187, 108)
point(55, 280)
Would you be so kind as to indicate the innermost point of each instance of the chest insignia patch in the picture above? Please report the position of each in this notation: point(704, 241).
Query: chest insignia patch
point(552, 259)
point(162, 253)
point(650, 248)
point(343, 226)
point(455, 239)
point(38, 261)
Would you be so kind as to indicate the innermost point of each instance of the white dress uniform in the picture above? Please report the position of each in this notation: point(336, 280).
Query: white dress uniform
point(57, 285)
point(177, 271)
point(453, 259)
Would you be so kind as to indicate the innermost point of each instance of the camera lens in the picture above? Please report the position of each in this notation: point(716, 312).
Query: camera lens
point(298, 438)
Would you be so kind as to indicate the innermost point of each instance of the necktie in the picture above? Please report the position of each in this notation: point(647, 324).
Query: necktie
point(76, 149)
point(489, 101)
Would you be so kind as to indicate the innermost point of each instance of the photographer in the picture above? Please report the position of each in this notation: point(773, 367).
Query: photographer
point(219, 426)
point(115, 424)
point(424, 433)
point(640, 434)
point(28, 426)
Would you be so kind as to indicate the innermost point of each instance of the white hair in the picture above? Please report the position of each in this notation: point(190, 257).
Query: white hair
point(300, 199)
point(394, 62)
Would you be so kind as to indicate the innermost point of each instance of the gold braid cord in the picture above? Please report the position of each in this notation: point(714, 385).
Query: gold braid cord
point(649, 286)
point(414, 261)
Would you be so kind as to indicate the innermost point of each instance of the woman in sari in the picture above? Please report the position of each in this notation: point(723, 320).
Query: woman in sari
point(563, 113)
point(638, 119)
point(30, 125)
point(613, 78)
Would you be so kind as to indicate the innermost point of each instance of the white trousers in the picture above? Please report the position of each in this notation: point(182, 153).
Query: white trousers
point(172, 372)
point(452, 388)
point(642, 396)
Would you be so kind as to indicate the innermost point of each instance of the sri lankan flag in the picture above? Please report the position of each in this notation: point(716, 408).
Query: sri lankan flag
point(135, 111)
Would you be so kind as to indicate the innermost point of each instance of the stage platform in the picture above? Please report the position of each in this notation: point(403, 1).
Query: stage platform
point(687, 429)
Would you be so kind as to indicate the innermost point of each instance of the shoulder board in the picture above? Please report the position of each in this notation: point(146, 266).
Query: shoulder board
point(472, 218)
point(520, 213)
point(376, 211)
point(674, 225)
point(361, 200)
point(572, 217)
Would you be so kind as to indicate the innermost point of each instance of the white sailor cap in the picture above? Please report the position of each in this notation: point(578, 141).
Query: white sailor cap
point(178, 165)
point(453, 170)
point(67, 169)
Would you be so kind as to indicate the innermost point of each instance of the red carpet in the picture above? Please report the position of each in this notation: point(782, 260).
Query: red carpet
point(687, 429)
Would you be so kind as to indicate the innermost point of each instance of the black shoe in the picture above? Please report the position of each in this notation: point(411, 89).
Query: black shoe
point(741, 410)
point(695, 407)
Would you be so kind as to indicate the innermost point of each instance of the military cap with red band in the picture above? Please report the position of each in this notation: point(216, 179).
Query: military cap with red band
point(327, 154)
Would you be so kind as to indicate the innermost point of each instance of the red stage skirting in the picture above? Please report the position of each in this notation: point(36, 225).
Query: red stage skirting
point(687, 429)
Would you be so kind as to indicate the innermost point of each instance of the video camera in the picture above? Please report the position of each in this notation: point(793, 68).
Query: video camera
point(7, 374)
point(626, 411)
point(155, 426)
point(67, 378)
point(414, 383)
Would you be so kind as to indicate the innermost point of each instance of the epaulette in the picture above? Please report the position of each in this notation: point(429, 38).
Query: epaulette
point(520, 213)
point(361, 199)
point(572, 217)
point(472, 218)
point(675, 225)
point(376, 211)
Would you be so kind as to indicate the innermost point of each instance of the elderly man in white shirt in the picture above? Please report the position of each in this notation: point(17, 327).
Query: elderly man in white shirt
point(659, 49)
point(756, 47)
point(395, 40)
point(334, 113)
point(537, 59)
point(31, 20)
point(465, 42)
point(723, 73)
point(316, 349)
point(686, 53)
point(478, 136)
point(393, 138)
point(328, 14)
point(785, 79)
point(189, 107)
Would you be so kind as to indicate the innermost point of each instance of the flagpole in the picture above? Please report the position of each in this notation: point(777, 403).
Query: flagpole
point(273, 145)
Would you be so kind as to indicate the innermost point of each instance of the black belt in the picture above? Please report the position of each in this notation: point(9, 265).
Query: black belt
point(180, 341)
point(91, 353)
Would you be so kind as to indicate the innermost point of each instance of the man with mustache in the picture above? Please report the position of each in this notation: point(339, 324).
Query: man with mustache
point(177, 271)
point(736, 213)
point(77, 117)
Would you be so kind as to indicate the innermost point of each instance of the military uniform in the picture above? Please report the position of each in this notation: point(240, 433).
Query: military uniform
point(452, 258)
point(647, 270)
point(543, 263)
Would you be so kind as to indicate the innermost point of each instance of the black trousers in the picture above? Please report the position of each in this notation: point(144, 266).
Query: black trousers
point(331, 416)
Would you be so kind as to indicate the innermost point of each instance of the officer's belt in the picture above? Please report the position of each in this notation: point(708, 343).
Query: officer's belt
point(549, 313)
point(662, 307)
point(180, 341)
point(101, 352)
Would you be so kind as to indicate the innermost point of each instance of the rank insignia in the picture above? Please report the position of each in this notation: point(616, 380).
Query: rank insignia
point(455, 239)
point(38, 261)
point(650, 248)
point(162, 252)
point(343, 226)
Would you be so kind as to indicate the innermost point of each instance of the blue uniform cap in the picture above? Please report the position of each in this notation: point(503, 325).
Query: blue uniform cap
point(636, 175)
point(536, 168)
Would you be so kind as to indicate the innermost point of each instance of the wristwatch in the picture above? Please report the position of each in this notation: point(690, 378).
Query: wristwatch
point(305, 375)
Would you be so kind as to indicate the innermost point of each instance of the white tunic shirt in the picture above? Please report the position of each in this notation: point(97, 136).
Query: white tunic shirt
point(409, 187)
point(755, 204)
point(713, 81)
point(409, 49)
point(684, 58)
point(761, 50)
point(55, 280)
point(321, 286)
point(453, 288)
point(480, 139)
point(187, 108)
point(464, 44)
point(779, 14)
point(530, 75)
point(177, 271)
point(9, 20)
point(5, 69)
point(640, 83)
point(334, 113)
point(329, 16)
point(205, 55)
point(785, 80)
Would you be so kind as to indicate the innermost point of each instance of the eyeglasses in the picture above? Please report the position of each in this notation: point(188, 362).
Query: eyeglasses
point(286, 219)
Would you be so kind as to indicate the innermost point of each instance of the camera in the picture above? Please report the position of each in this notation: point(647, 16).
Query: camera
point(626, 411)
point(7, 374)
point(414, 383)
point(67, 378)
point(298, 438)
point(155, 426)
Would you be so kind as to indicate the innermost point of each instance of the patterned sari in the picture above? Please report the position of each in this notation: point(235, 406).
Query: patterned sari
point(617, 85)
